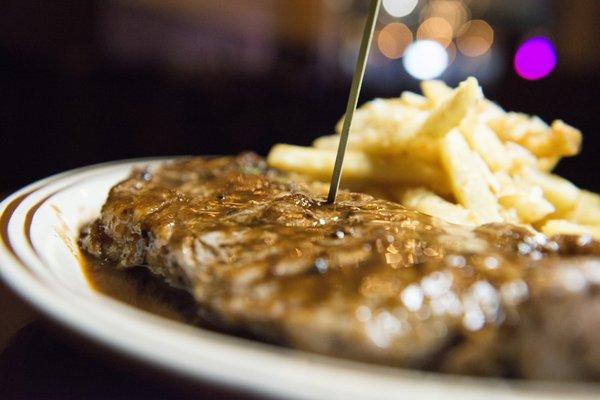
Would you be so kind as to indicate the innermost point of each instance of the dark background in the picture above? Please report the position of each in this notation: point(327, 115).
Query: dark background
point(83, 81)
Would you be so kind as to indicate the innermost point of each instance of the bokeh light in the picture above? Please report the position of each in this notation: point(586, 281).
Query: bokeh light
point(425, 59)
point(453, 11)
point(436, 28)
point(399, 8)
point(475, 38)
point(535, 58)
point(393, 40)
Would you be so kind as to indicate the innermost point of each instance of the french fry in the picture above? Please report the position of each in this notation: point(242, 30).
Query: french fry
point(567, 138)
point(384, 127)
point(410, 99)
point(560, 140)
point(485, 142)
point(436, 91)
point(469, 183)
point(526, 197)
point(358, 166)
point(331, 142)
point(451, 111)
point(328, 142)
point(487, 110)
point(392, 139)
point(490, 179)
point(547, 163)
point(529, 204)
point(384, 114)
point(540, 139)
point(519, 156)
point(510, 215)
point(426, 149)
point(586, 210)
point(515, 127)
point(560, 192)
point(564, 227)
point(427, 202)
point(442, 119)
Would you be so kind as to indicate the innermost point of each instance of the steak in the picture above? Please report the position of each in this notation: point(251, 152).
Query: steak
point(261, 252)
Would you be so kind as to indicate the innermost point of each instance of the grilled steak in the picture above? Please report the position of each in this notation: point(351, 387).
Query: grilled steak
point(364, 279)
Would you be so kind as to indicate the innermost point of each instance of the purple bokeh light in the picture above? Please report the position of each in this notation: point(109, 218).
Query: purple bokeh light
point(535, 58)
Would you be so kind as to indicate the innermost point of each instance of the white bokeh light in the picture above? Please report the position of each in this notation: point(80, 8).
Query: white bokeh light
point(425, 59)
point(399, 8)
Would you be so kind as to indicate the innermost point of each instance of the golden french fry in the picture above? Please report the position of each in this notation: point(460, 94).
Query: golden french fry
point(385, 140)
point(560, 140)
point(329, 142)
point(510, 215)
point(451, 111)
point(519, 156)
point(534, 134)
point(384, 127)
point(410, 99)
point(436, 91)
point(564, 227)
point(547, 163)
point(487, 110)
point(469, 182)
point(559, 191)
point(358, 166)
point(586, 210)
point(567, 138)
point(442, 119)
point(523, 195)
point(384, 114)
point(429, 203)
point(515, 127)
point(381, 127)
point(490, 178)
point(426, 149)
point(530, 205)
point(485, 142)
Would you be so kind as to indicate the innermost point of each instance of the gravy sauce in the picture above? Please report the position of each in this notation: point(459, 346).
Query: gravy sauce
point(139, 288)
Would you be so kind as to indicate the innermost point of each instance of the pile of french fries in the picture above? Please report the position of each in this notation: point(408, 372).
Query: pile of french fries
point(455, 155)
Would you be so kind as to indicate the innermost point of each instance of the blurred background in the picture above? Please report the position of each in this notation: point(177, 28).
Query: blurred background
point(89, 81)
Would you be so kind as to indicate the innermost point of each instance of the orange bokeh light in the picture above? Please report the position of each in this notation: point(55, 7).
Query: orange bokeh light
point(475, 38)
point(393, 40)
point(453, 11)
point(436, 28)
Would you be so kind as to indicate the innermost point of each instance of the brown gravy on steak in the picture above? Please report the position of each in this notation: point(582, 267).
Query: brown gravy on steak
point(138, 288)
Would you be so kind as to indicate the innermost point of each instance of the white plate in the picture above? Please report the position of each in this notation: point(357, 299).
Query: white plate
point(38, 232)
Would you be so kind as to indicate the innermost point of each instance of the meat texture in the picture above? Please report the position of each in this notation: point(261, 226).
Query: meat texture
point(365, 278)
